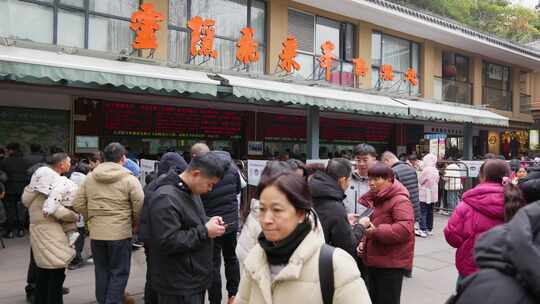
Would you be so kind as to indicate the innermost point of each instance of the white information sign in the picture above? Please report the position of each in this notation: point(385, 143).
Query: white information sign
point(255, 168)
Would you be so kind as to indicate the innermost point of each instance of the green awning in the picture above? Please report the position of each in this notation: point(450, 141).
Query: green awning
point(20, 63)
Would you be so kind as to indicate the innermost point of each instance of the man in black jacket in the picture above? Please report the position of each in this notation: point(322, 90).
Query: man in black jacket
point(15, 167)
point(222, 201)
point(181, 234)
point(406, 175)
point(170, 161)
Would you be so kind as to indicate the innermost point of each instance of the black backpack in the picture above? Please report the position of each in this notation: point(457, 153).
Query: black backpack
point(326, 273)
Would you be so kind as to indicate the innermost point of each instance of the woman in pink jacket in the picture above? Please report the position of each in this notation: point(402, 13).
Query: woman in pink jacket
point(481, 209)
point(428, 193)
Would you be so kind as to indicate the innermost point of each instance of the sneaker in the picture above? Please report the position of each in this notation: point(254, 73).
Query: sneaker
point(430, 232)
point(20, 233)
point(8, 235)
point(65, 290)
point(422, 234)
point(76, 264)
point(418, 232)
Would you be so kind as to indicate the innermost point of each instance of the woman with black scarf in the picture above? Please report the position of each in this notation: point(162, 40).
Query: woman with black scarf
point(284, 266)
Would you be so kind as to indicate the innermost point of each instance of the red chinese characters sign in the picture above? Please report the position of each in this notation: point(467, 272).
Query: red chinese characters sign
point(386, 72)
point(287, 58)
point(360, 69)
point(145, 24)
point(327, 58)
point(410, 76)
point(247, 47)
point(203, 34)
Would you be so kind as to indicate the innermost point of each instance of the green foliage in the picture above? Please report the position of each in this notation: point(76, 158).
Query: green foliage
point(498, 17)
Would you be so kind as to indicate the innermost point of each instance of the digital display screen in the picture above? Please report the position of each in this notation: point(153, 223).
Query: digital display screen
point(160, 120)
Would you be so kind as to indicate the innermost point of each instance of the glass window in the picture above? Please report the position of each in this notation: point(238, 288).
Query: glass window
point(327, 30)
point(496, 76)
point(258, 19)
point(455, 67)
point(108, 34)
point(177, 52)
point(37, 24)
point(302, 27)
point(230, 16)
point(79, 3)
point(70, 29)
point(178, 11)
point(107, 22)
point(121, 8)
point(401, 54)
point(311, 32)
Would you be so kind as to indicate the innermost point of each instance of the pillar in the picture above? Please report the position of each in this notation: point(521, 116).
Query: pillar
point(313, 115)
point(363, 43)
point(468, 141)
point(516, 90)
point(477, 80)
point(277, 29)
point(427, 69)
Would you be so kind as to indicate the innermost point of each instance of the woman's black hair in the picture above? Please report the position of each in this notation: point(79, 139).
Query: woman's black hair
point(295, 188)
point(297, 165)
point(272, 169)
point(338, 168)
point(513, 201)
point(494, 170)
point(380, 169)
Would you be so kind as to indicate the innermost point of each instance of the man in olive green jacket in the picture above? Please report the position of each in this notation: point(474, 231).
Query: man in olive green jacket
point(111, 199)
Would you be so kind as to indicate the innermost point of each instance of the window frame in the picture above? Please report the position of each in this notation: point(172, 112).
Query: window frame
point(249, 3)
point(509, 80)
point(455, 55)
point(411, 60)
point(57, 5)
point(342, 44)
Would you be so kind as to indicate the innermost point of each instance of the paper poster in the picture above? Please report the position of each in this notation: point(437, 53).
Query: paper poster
point(148, 166)
point(255, 168)
point(317, 161)
point(473, 167)
point(255, 148)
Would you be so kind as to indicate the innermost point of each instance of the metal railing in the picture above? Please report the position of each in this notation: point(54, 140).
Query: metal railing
point(452, 90)
point(497, 98)
point(525, 103)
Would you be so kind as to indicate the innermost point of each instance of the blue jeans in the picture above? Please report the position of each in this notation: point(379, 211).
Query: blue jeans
point(112, 261)
point(452, 198)
point(426, 221)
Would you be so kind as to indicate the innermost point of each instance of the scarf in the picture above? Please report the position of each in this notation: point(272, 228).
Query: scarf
point(279, 253)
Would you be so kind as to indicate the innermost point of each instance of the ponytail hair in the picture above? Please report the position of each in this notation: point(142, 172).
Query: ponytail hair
point(513, 200)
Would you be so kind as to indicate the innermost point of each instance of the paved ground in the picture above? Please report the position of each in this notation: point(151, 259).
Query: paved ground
point(433, 281)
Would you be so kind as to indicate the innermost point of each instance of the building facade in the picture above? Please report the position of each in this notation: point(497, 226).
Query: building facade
point(72, 78)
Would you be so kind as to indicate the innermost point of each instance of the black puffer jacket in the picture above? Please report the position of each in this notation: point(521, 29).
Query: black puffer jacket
point(328, 203)
point(15, 168)
point(507, 256)
point(169, 161)
point(222, 200)
point(181, 250)
point(530, 186)
point(406, 175)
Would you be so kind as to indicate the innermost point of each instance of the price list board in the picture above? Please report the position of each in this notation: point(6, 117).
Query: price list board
point(170, 121)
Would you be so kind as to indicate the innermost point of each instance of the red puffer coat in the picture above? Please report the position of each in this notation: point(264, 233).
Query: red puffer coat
point(481, 209)
point(391, 244)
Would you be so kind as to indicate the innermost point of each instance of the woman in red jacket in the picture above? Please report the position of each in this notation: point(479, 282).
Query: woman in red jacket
point(389, 245)
point(481, 209)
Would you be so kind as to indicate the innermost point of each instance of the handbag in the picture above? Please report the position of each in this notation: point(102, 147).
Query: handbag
point(326, 273)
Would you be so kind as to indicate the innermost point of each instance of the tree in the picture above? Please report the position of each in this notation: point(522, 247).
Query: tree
point(497, 17)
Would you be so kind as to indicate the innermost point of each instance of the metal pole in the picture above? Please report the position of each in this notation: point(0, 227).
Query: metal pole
point(313, 132)
point(468, 141)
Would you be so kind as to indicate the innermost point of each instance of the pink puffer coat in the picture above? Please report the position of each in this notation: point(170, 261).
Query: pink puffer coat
point(481, 209)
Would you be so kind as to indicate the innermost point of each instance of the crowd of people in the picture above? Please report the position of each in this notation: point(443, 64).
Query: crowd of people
point(343, 232)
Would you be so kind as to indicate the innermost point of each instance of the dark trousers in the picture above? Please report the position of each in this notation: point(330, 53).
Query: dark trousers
point(14, 211)
point(384, 285)
point(150, 295)
point(426, 221)
point(112, 262)
point(227, 245)
point(79, 246)
point(49, 286)
point(31, 276)
point(191, 299)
